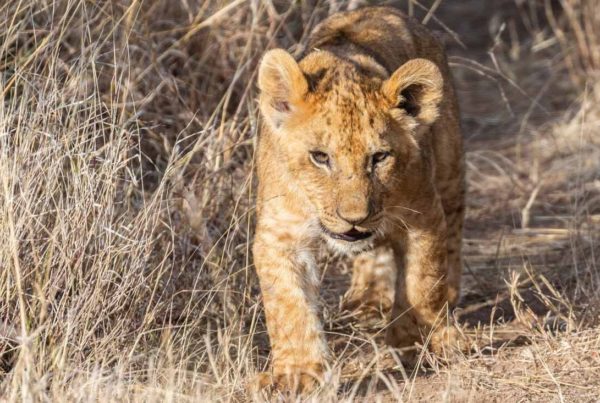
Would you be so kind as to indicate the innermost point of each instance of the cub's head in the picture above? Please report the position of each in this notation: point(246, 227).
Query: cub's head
point(347, 134)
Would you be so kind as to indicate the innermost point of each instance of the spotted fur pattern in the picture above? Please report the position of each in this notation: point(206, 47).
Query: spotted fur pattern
point(361, 136)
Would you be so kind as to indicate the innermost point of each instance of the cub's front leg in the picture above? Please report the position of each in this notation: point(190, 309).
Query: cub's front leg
point(421, 299)
point(289, 285)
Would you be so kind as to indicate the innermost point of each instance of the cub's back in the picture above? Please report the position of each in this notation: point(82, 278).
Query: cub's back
point(386, 34)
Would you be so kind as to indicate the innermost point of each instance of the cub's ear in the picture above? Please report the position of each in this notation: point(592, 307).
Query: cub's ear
point(416, 87)
point(282, 87)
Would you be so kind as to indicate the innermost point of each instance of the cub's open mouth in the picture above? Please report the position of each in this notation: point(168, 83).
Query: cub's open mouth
point(351, 236)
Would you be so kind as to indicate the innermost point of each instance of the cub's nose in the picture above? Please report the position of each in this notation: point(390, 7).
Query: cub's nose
point(354, 217)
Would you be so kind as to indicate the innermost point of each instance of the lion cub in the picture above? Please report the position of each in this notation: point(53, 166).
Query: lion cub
point(360, 148)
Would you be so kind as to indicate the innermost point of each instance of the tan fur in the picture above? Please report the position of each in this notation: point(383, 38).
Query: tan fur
point(372, 81)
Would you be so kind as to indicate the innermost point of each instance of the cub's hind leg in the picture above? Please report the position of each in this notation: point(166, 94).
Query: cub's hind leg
point(454, 209)
point(371, 293)
point(455, 224)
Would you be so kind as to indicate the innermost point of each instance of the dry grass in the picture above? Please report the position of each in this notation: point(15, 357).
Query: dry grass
point(126, 203)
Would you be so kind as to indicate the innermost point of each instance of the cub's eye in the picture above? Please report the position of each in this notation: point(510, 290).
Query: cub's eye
point(379, 157)
point(319, 158)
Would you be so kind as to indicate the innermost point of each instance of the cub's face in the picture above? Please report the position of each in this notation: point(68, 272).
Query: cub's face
point(347, 138)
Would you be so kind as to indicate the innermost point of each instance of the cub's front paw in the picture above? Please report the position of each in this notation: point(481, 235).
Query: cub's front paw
point(402, 332)
point(294, 380)
point(447, 339)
